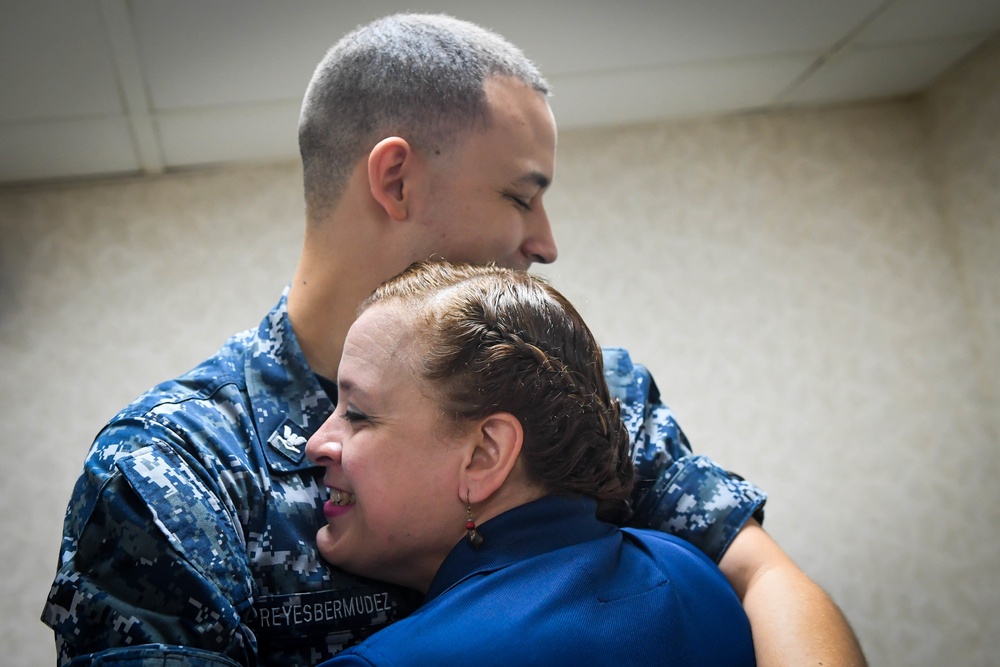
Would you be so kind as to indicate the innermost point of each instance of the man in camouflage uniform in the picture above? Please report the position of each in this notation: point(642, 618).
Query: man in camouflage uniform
point(189, 538)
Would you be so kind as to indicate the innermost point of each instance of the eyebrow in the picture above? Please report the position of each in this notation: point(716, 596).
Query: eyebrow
point(535, 178)
point(347, 387)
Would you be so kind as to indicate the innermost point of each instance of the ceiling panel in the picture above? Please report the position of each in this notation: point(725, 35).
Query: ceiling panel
point(933, 19)
point(62, 149)
point(247, 132)
point(109, 86)
point(197, 54)
point(569, 37)
point(644, 95)
point(867, 73)
point(55, 61)
point(232, 51)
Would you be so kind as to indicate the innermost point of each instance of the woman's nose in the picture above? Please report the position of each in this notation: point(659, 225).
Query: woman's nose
point(323, 448)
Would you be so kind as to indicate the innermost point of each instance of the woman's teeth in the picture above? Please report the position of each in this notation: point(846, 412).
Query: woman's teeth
point(341, 498)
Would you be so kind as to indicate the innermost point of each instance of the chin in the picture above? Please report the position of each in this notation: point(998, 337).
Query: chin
point(329, 546)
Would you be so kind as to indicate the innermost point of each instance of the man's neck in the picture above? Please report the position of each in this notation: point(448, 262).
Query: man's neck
point(322, 305)
point(345, 256)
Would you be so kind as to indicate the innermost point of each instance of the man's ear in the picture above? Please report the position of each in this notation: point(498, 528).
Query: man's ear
point(389, 166)
point(498, 442)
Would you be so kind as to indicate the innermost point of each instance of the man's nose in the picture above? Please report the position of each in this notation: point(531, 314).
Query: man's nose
point(540, 246)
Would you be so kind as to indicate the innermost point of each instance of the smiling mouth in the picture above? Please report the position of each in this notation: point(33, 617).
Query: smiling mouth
point(341, 498)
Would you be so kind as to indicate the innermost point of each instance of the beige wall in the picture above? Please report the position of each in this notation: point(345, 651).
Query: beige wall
point(963, 113)
point(816, 292)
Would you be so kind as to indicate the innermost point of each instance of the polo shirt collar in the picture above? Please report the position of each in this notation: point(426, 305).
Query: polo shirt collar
point(524, 532)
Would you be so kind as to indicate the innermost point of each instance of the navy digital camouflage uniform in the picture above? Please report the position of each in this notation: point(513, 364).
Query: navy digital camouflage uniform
point(189, 538)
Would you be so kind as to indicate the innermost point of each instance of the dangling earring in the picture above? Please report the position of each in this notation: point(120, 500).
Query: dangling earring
point(471, 534)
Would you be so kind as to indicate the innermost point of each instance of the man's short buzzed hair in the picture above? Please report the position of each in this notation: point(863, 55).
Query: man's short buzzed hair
point(417, 76)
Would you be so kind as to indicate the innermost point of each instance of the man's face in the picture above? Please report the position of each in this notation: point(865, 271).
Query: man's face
point(484, 198)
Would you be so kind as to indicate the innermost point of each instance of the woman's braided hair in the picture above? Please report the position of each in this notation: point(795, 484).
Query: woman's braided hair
point(499, 340)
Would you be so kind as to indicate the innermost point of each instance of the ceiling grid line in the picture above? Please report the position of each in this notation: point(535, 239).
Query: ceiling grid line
point(839, 48)
point(131, 83)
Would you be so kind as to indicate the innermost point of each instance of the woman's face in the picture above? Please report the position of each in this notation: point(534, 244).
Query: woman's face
point(392, 466)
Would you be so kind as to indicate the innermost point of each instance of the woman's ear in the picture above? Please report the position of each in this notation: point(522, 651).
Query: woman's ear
point(389, 165)
point(497, 445)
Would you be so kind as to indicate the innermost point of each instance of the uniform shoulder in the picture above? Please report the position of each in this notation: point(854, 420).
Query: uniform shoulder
point(225, 367)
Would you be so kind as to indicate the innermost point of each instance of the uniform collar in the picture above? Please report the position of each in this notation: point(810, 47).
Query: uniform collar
point(524, 532)
point(287, 401)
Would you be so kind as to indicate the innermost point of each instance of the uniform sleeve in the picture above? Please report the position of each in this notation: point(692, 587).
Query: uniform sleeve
point(676, 492)
point(152, 568)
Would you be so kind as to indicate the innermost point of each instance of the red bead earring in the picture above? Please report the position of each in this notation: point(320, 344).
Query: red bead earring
point(471, 534)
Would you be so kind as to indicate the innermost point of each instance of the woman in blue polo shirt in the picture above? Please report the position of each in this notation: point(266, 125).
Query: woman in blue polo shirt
point(475, 455)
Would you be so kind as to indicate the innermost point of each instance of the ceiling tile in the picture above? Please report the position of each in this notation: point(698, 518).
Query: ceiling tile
point(878, 72)
point(198, 54)
point(224, 79)
point(55, 61)
point(266, 132)
point(928, 19)
point(60, 149)
point(595, 35)
point(672, 92)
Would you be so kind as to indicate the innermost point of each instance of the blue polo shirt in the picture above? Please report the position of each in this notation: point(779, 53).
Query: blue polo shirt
point(552, 585)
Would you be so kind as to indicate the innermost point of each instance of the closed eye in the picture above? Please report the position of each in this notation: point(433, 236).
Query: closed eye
point(520, 203)
point(354, 416)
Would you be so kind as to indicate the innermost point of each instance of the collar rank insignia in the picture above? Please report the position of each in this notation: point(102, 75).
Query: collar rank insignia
point(288, 441)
